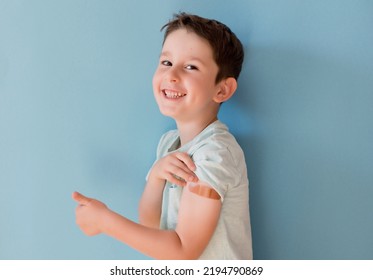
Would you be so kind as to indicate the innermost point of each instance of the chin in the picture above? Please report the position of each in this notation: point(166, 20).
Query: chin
point(167, 113)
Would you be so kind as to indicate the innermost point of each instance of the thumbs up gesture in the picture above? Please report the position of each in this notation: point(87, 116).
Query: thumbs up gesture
point(90, 214)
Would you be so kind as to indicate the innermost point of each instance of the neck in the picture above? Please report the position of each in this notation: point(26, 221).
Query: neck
point(189, 130)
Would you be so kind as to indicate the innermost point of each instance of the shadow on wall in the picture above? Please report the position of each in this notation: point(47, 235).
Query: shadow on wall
point(302, 121)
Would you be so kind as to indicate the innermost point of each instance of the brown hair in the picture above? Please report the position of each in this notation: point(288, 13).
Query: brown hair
point(226, 47)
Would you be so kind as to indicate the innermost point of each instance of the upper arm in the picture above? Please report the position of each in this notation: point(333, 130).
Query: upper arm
point(198, 216)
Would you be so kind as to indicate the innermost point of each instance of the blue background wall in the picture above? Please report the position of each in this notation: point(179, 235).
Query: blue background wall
point(77, 113)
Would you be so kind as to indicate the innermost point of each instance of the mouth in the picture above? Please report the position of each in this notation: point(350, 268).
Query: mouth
point(171, 94)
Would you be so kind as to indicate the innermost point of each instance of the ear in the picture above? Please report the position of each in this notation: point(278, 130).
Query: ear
point(227, 88)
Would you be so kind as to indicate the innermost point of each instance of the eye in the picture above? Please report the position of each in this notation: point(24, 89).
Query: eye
point(166, 63)
point(191, 67)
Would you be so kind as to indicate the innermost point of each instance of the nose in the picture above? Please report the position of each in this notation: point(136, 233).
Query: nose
point(172, 75)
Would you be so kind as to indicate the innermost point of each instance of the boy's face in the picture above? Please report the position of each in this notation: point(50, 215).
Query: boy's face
point(184, 82)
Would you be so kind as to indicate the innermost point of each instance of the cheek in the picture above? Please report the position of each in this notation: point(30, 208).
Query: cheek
point(154, 83)
point(156, 80)
point(156, 86)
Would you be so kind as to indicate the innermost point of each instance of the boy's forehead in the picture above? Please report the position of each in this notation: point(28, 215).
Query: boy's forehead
point(187, 41)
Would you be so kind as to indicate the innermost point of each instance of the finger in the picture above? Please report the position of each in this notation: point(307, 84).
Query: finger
point(81, 199)
point(173, 180)
point(179, 169)
point(187, 160)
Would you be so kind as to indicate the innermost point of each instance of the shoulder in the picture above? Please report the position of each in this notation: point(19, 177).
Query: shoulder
point(217, 143)
point(219, 160)
point(170, 135)
point(166, 141)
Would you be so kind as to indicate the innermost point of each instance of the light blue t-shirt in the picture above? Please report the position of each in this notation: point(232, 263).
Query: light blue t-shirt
point(220, 162)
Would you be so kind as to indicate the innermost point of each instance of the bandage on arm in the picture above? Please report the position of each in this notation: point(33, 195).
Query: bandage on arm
point(204, 190)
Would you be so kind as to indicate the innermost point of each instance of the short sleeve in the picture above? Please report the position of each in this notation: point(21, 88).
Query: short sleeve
point(216, 167)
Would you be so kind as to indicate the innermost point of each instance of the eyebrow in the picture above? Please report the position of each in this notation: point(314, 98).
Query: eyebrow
point(192, 58)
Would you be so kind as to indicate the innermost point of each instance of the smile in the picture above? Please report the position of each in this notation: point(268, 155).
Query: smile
point(173, 94)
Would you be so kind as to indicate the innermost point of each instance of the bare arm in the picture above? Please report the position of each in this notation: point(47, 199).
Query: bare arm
point(150, 205)
point(198, 216)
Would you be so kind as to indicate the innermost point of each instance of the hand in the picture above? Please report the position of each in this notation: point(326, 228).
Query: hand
point(89, 214)
point(177, 168)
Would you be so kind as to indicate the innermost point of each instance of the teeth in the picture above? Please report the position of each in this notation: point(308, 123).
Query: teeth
point(173, 94)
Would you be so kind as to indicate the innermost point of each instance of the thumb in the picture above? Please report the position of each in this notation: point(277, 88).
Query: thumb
point(81, 199)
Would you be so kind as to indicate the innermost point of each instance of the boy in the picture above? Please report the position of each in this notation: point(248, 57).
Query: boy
point(195, 202)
